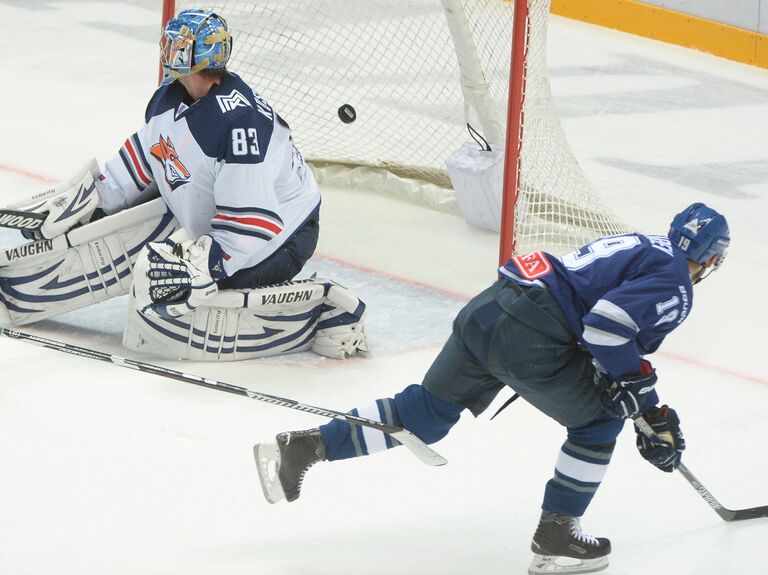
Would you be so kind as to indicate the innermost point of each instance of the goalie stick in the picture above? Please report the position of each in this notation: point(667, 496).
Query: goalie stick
point(725, 513)
point(409, 440)
point(21, 220)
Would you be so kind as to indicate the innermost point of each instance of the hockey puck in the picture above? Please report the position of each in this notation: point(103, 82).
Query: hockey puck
point(347, 114)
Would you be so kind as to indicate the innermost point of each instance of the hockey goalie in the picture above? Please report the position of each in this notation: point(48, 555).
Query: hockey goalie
point(205, 216)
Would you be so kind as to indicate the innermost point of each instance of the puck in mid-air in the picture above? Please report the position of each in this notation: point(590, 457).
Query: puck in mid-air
point(347, 114)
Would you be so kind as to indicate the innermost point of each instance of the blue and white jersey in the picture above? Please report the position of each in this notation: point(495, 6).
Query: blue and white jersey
point(225, 165)
point(622, 294)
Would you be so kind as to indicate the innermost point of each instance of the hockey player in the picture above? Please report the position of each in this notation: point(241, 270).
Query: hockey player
point(569, 335)
point(223, 161)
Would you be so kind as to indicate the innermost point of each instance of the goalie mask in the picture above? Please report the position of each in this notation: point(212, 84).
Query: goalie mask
point(701, 233)
point(194, 40)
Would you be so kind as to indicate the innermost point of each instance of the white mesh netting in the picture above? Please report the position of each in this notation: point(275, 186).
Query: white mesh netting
point(557, 208)
point(397, 62)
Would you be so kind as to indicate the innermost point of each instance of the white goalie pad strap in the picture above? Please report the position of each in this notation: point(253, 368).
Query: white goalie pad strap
point(88, 265)
point(477, 177)
point(240, 324)
point(341, 328)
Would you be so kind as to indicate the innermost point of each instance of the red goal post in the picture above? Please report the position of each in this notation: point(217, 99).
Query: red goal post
point(415, 81)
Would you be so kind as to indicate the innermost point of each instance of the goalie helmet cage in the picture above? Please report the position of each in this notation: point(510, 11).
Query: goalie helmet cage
point(416, 72)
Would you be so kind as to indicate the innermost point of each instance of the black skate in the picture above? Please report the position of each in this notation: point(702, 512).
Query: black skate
point(560, 546)
point(282, 464)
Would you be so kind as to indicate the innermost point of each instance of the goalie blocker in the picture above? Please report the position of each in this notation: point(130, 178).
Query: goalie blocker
point(316, 314)
point(89, 264)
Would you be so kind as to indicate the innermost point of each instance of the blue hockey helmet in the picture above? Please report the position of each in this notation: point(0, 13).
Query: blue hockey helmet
point(195, 40)
point(701, 233)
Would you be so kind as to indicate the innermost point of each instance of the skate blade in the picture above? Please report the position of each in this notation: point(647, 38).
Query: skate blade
point(547, 564)
point(267, 457)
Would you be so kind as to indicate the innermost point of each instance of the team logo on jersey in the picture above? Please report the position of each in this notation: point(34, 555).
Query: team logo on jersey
point(532, 266)
point(176, 174)
point(232, 100)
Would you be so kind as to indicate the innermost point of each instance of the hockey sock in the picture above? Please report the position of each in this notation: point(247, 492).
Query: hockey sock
point(417, 410)
point(581, 466)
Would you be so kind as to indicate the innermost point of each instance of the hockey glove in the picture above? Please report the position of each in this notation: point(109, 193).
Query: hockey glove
point(66, 205)
point(624, 397)
point(173, 279)
point(665, 449)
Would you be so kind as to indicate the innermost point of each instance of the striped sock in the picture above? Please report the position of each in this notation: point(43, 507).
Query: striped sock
point(578, 473)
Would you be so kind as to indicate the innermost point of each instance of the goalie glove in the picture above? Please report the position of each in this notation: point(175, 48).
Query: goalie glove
point(66, 205)
point(173, 279)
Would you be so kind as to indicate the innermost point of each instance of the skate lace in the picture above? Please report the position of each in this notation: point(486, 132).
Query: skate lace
point(302, 473)
point(579, 535)
point(304, 470)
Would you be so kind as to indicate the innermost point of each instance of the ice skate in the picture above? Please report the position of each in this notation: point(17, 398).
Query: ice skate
point(560, 546)
point(282, 464)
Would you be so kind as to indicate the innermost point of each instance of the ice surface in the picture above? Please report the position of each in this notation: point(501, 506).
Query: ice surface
point(110, 471)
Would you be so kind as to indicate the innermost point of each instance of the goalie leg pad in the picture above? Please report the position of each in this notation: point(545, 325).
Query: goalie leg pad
point(93, 263)
point(243, 324)
point(239, 324)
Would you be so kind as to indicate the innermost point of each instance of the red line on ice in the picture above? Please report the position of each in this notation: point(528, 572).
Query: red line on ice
point(350, 265)
point(715, 368)
point(27, 174)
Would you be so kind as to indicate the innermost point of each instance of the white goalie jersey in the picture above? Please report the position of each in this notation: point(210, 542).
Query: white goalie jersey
point(225, 165)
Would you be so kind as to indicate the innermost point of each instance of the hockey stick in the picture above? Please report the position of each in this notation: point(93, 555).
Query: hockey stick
point(21, 220)
point(413, 443)
point(725, 513)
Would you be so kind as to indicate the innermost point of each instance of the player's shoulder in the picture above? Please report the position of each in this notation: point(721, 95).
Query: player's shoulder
point(236, 103)
point(166, 97)
point(658, 248)
point(235, 123)
point(632, 254)
point(660, 257)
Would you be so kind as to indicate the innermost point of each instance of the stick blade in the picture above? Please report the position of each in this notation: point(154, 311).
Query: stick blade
point(744, 514)
point(420, 449)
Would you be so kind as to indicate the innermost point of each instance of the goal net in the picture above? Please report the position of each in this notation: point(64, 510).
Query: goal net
point(415, 72)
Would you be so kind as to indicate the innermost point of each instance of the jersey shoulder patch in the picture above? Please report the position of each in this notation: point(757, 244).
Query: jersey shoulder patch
point(532, 266)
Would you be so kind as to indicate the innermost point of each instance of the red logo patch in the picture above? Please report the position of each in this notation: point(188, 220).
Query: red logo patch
point(532, 266)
